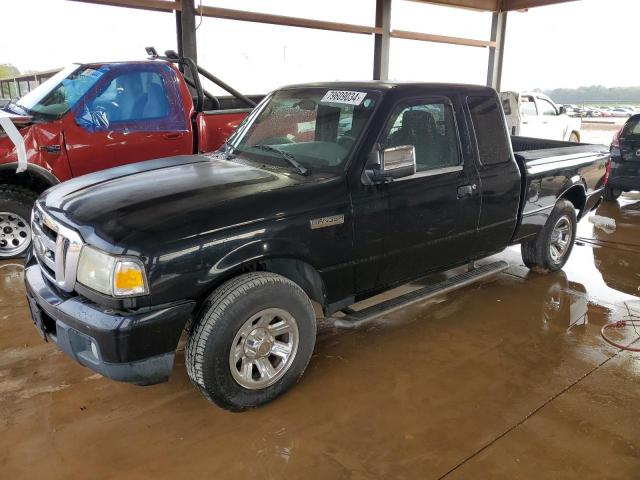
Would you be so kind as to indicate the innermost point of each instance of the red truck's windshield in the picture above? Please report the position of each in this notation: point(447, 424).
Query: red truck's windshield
point(59, 94)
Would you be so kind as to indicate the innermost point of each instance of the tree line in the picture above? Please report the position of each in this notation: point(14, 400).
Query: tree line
point(594, 94)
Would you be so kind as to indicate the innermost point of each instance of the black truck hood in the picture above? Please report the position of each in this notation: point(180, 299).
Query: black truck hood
point(127, 209)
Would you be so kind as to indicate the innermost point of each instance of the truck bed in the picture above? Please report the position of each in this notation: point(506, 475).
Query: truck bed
point(547, 166)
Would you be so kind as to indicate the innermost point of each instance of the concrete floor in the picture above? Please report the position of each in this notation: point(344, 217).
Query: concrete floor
point(506, 379)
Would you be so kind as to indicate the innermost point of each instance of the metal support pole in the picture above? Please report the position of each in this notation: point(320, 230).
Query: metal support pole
point(382, 41)
point(179, 32)
point(188, 30)
point(496, 54)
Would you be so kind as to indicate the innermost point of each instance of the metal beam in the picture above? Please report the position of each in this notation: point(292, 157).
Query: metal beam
point(508, 5)
point(496, 53)
point(483, 5)
point(157, 5)
point(382, 40)
point(428, 37)
point(245, 16)
point(188, 30)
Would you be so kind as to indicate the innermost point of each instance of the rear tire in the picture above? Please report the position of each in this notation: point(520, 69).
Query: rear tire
point(551, 248)
point(16, 203)
point(252, 341)
point(611, 194)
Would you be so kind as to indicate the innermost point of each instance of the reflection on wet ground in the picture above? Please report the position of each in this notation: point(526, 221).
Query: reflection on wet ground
point(505, 379)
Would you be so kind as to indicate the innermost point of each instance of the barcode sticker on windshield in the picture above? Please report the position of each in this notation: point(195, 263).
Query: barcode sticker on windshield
point(343, 96)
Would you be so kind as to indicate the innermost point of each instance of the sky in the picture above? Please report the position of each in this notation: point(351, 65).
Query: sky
point(575, 44)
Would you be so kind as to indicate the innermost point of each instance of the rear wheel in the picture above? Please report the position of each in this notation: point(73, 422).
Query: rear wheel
point(612, 194)
point(252, 341)
point(550, 249)
point(16, 203)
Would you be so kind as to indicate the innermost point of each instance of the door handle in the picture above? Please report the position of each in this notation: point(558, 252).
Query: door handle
point(466, 190)
point(173, 136)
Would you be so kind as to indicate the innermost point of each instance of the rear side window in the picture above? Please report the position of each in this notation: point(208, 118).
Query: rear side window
point(506, 106)
point(632, 127)
point(489, 128)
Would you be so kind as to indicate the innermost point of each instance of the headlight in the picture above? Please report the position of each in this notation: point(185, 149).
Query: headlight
point(119, 277)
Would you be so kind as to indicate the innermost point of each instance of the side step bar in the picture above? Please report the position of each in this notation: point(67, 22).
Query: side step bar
point(354, 318)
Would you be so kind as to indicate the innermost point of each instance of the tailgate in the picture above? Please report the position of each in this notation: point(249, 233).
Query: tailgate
point(628, 164)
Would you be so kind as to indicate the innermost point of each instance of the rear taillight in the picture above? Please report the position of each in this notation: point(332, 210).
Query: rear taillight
point(616, 138)
point(607, 172)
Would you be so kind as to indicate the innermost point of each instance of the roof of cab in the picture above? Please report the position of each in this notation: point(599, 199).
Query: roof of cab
point(388, 85)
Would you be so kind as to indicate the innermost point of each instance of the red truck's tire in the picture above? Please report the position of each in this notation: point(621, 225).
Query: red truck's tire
point(233, 331)
point(538, 253)
point(16, 203)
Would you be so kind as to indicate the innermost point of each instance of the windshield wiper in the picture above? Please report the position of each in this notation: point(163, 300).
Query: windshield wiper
point(288, 157)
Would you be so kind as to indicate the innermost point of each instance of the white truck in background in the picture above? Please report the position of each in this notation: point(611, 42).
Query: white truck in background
point(532, 114)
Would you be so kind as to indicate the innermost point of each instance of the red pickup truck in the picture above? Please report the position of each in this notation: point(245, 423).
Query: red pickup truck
point(89, 117)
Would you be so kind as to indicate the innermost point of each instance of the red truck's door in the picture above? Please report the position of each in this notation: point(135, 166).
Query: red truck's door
point(216, 126)
point(135, 113)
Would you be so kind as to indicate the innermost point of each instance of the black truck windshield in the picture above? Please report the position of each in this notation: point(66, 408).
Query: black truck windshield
point(315, 127)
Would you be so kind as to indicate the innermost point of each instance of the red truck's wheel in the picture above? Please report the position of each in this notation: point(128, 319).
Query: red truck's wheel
point(252, 341)
point(550, 249)
point(16, 203)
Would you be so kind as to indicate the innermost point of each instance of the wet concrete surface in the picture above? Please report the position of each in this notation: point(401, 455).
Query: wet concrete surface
point(506, 379)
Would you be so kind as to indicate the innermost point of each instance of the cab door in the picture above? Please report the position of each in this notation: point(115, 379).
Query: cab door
point(531, 122)
point(134, 113)
point(433, 214)
point(554, 125)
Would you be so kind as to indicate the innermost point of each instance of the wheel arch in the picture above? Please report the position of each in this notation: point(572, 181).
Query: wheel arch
point(35, 177)
point(577, 195)
point(294, 268)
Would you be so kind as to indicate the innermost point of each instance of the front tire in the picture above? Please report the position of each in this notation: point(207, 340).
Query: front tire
point(252, 341)
point(551, 248)
point(611, 194)
point(16, 203)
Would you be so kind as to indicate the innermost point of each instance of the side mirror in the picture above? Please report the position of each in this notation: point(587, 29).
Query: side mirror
point(562, 111)
point(398, 162)
point(390, 164)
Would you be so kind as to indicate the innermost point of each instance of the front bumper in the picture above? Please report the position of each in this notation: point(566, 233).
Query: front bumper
point(137, 348)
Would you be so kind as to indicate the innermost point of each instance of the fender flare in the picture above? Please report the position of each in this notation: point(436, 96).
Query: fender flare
point(36, 170)
point(576, 193)
point(281, 256)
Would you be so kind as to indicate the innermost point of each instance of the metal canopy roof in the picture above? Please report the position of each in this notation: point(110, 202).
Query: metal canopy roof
point(484, 5)
point(186, 11)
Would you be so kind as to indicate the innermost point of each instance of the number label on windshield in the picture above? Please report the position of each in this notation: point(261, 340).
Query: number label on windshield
point(343, 96)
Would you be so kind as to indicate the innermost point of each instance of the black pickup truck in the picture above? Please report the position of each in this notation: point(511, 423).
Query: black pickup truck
point(328, 192)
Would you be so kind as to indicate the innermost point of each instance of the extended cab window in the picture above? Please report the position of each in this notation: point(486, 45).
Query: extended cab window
point(428, 126)
point(489, 128)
